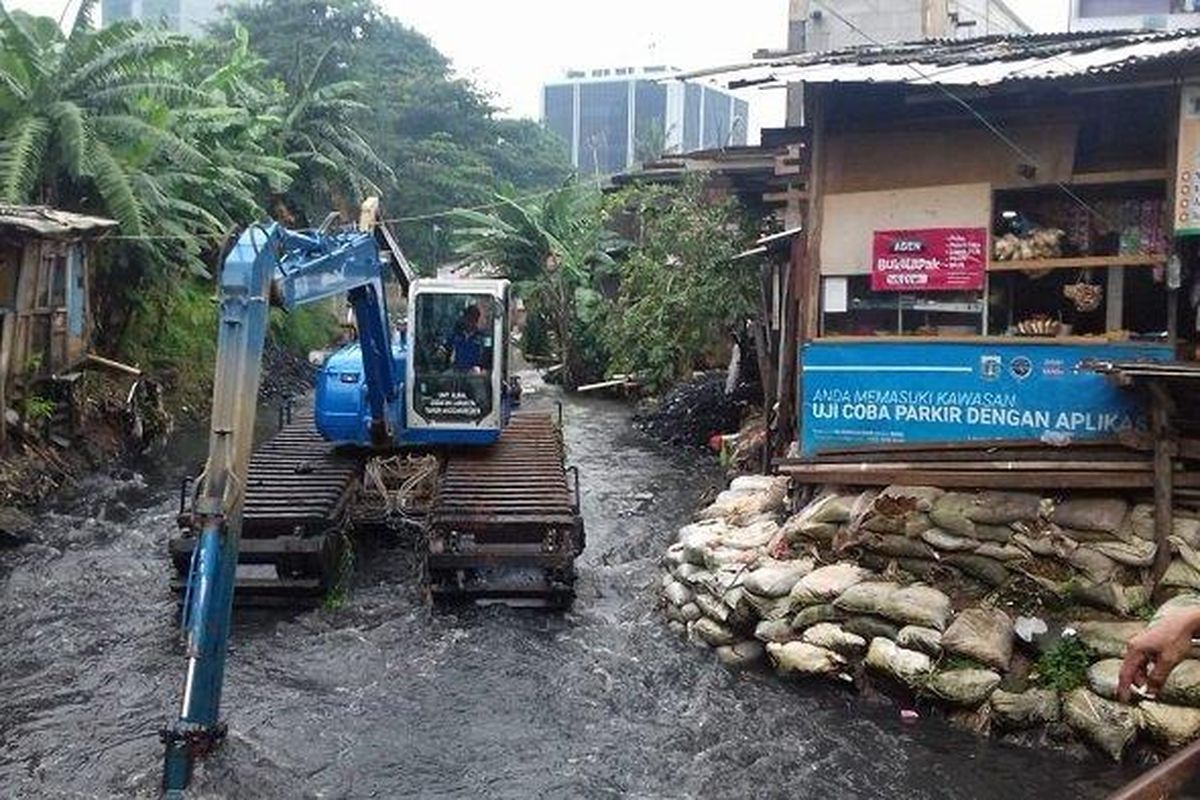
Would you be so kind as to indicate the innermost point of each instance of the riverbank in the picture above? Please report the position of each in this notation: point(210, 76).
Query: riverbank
point(1006, 611)
point(115, 420)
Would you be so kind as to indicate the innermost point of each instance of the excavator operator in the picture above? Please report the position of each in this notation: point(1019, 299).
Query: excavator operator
point(465, 342)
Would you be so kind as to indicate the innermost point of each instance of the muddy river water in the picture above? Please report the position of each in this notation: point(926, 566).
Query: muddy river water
point(384, 698)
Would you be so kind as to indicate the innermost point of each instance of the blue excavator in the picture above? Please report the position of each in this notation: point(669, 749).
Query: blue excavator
point(503, 524)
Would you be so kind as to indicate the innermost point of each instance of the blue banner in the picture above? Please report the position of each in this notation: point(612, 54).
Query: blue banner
point(895, 392)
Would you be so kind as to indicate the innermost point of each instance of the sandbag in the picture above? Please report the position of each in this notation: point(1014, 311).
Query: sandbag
point(832, 637)
point(1181, 575)
point(1110, 596)
point(778, 579)
point(948, 542)
point(984, 634)
point(775, 630)
point(739, 655)
point(749, 537)
point(869, 627)
point(1174, 726)
point(907, 666)
point(1102, 677)
point(1109, 726)
point(950, 513)
point(674, 557)
point(798, 529)
point(899, 547)
point(828, 508)
point(1016, 710)
point(1091, 513)
point(758, 483)
point(1003, 508)
point(988, 570)
point(1180, 602)
point(721, 557)
point(823, 585)
point(1001, 552)
point(1094, 565)
point(1000, 534)
point(675, 613)
point(921, 498)
point(915, 524)
point(677, 594)
point(711, 632)
point(1183, 684)
point(801, 658)
point(915, 605)
point(692, 575)
point(690, 612)
point(755, 605)
point(740, 506)
point(712, 607)
point(884, 525)
point(1107, 639)
point(963, 687)
point(1134, 553)
point(865, 598)
point(814, 614)
point(923, 640)
point(1037, 545)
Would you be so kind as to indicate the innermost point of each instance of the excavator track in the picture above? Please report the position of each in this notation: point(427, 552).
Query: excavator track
point(505, 524)
point(300, 491)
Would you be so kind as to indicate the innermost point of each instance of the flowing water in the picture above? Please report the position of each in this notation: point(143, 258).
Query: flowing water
point(384, 698)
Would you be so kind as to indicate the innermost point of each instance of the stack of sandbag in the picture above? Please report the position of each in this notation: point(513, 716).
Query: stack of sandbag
point(836, 592)
point(1093, 549)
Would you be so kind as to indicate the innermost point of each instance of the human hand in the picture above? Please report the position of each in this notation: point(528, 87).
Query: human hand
point(1152, 654)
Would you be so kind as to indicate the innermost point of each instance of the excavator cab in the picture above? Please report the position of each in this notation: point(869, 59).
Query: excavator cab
point(456, 386)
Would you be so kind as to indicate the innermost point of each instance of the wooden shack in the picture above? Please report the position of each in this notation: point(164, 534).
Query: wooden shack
point(45, 321)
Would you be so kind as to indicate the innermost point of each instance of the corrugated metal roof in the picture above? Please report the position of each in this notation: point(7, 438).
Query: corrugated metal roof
point(46, 221)
point(983, 61)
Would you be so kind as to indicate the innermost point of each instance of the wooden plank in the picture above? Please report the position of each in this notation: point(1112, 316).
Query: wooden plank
point(990, 479)
point(1118, 176)
point(1161, 407)
point(1082, 262)
point(973, 445)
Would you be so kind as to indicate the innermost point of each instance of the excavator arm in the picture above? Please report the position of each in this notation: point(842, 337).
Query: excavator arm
point(268, 265)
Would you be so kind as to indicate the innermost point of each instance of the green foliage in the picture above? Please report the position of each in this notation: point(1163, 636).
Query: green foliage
point(557, 252)
point(679, 290)
point(1065, 666)
point(37, 408)
point(174, 335)
point(304, 329)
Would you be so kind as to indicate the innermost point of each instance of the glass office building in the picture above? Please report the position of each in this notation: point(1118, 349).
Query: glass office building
point(185, 16)
point(614, 119)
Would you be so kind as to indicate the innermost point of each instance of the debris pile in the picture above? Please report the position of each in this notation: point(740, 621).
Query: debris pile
point(284, 373)
point(694, 411)
point(1009, 609)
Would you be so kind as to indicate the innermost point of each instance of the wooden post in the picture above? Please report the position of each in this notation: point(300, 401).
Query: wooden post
point(7, 328)
point(1161, 411)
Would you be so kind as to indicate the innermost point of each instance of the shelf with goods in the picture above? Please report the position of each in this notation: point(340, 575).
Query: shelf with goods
point(1076, 256)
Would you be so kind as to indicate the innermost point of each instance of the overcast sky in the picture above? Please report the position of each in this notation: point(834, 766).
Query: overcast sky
point(511, 47)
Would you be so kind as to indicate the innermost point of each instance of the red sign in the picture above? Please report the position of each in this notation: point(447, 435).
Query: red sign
point(930, 260)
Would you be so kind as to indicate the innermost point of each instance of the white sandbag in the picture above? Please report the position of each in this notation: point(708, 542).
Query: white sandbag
point(963, 687)
point(923, 640)
point(1107, 639)
point(775, 630)
point(1174, 726)
point(865, 598)
point(906, 666)
point(1102, 677)
point(948, 542)
point(712, 632)
point(1017, 710)
point(677, 594)
point(801, 658)
point(915, 605)
point(832, 637)
point(778, 579)
point(1134, 553)
point(748, 537)
point(1109, 726)
point(823, 585)
point(984, 634)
